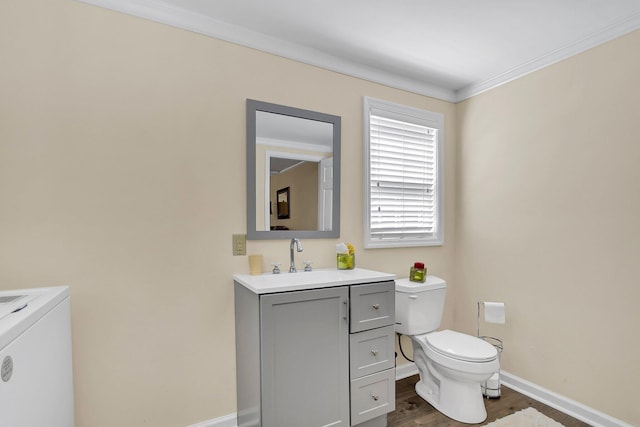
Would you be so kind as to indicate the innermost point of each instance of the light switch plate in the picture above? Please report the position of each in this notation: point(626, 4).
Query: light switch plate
point(239, 244)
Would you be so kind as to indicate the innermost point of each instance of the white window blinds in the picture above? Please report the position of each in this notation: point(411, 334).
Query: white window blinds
point(403, 180)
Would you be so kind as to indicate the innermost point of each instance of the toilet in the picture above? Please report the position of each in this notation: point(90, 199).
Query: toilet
point(452, 365)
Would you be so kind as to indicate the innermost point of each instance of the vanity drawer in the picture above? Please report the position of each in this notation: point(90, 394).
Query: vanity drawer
point(372, 305)
point(372, 351)
point(372, 396)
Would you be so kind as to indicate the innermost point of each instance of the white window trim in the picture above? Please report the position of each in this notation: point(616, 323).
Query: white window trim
point(427, 118)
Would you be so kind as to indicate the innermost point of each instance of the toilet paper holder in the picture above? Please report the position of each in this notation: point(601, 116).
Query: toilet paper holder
point(491, 387)
point(497, 340)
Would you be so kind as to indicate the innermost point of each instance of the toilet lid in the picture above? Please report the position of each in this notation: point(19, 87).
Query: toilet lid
point(461, 346)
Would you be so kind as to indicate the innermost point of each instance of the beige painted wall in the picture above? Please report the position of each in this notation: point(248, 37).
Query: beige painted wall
point(122, 175)
point(548, 220)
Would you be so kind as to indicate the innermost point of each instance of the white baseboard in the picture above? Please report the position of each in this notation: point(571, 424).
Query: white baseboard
point(561, 403)
point(406, 370)
point(570, 407)
point(224, 421)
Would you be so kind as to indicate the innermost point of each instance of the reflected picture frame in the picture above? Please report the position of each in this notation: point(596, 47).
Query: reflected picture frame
point(282, 203)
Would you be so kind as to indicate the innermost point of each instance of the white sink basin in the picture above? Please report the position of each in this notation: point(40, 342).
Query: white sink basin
point(302, 280)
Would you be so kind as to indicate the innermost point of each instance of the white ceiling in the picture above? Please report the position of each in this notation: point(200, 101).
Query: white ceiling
point(448, 49)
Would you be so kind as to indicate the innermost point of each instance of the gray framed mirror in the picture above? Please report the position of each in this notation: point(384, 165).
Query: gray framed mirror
point(297, 150)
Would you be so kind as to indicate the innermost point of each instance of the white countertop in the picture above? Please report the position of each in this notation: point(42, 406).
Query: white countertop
point(33, 304)
point(303, 280)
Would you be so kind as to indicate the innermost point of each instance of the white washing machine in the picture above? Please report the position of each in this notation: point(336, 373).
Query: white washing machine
point(36, 377)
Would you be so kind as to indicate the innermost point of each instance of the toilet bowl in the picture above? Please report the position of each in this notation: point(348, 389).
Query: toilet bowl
point(450, 380)
point(452, 365)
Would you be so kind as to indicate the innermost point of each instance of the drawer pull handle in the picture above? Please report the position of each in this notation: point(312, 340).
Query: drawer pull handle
point(376, 306)
point(375, 397)
point(374, 352)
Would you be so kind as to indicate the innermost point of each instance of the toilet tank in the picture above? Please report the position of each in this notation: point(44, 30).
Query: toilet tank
point(419, 306)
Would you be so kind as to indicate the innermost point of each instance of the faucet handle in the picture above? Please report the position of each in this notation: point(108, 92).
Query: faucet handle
point(276, 268)
point(307, 265)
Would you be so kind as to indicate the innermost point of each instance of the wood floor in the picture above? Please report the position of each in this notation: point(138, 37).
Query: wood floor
point(411, 410)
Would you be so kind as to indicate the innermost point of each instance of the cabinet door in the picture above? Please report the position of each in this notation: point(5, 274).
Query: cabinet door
point(305, 358)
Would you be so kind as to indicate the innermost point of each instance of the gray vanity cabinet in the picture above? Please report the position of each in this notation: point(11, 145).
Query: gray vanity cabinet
point(305, 358)
point(317, 357)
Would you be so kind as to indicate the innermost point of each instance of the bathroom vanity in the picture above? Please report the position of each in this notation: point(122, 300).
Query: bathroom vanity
point(315, 348)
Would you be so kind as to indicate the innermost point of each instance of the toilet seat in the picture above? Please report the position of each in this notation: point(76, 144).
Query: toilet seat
point(460, 346)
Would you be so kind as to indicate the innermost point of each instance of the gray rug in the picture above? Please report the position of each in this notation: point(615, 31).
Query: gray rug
point(526, 418)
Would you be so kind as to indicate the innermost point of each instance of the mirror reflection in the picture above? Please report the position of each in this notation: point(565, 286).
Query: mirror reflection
point(292, 154)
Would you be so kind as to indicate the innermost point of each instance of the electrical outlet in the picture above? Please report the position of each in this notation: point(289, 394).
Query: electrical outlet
point(239, 244)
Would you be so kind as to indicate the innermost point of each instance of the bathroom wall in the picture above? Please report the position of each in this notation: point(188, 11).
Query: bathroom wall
point(547, 220)
point(122, 175)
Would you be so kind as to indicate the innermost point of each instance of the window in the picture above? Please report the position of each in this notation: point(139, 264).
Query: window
point(403, 176)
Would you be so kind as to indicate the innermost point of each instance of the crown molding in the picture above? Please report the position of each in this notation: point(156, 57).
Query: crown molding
point(158, 11)
point(616, 29)
point(164, 13)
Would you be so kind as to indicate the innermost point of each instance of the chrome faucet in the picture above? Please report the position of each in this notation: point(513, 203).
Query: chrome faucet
point(295, 241)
